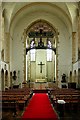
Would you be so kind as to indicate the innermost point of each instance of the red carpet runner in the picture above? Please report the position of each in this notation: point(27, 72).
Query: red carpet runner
point(39, 108)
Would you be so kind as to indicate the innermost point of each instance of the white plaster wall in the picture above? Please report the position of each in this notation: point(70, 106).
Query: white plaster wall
point(65, 53)
point(18, 54)
point(64, 46)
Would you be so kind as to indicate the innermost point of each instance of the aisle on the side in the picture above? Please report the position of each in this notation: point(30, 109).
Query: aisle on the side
point(40, 107)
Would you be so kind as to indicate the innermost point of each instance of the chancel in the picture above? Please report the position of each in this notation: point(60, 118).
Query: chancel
point(40, 60)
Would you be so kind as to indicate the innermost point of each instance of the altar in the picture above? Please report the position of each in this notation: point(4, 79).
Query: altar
point(40, 80)
point(40, 85)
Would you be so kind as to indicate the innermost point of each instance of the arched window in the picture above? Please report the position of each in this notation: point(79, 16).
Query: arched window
point(49, 55)
point(32, 54)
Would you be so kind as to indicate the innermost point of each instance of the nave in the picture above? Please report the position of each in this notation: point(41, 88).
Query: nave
point(29, 102)
point(40, 44)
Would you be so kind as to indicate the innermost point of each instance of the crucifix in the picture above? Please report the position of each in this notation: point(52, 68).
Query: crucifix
point(41, 66)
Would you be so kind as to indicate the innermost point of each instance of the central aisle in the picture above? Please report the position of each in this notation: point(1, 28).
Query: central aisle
point(40, 108)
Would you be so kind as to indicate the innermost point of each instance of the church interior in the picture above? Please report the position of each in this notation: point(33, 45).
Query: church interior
point(40, 60)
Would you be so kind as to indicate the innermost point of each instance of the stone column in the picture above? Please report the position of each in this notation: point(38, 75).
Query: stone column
point(53, 72)
point(2, 40)
point(57, 41)
point(2, 43)
point(28, 61)
point(79, 31)
point(7, 48)
point(73, 47)
point(29, 66)
point(24, 69)
point(7, 53)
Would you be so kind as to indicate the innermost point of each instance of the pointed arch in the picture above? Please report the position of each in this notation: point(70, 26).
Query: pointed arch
point(55, 31)
point(33, 27)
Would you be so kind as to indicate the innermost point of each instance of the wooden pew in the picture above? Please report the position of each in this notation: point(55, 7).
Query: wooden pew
point(15, 99)
point(70, 96)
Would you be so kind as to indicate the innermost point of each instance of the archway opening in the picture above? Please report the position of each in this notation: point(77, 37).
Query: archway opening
point(41, 52)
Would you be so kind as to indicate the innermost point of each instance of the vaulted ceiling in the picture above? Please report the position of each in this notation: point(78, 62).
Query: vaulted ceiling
point(14, 11)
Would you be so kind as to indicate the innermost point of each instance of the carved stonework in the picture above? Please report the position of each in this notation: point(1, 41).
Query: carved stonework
point(24, 55)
